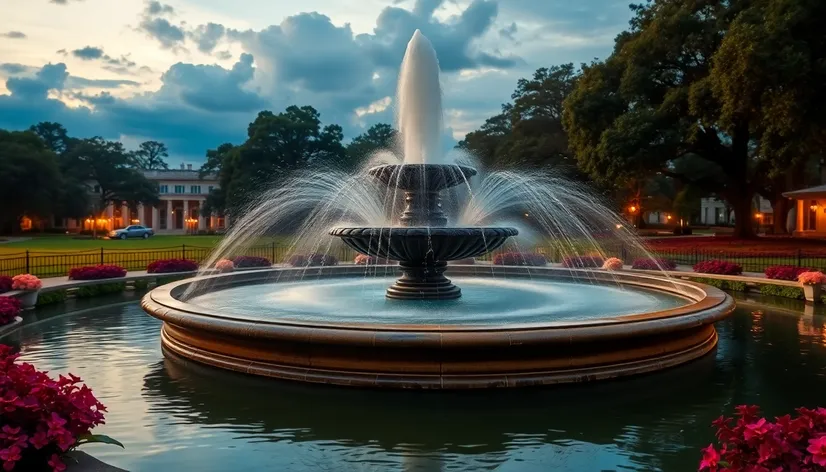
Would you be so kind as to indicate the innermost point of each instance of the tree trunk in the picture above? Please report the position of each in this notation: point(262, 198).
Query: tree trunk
point(743, 221)
point(738, 175)
point(780, 209)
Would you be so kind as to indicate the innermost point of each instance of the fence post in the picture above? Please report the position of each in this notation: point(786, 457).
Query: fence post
point(799, 258)
point(101, 256)
point(183, 251)
point(28, 269)
point(273, 253)
point(624, 253)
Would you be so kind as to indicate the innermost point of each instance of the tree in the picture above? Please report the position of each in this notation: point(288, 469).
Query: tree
point(54, 135)
point(377, 137)
point(150, 155)
point(30, 179)
point(690, 78)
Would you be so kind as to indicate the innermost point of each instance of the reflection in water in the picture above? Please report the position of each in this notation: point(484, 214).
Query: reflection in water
point(173, 415)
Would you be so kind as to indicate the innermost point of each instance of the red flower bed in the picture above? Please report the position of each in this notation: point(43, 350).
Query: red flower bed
point(165, 266)
point(750, 443)
point(582, 262)
point(250, 261)
point(520, 259)
point(313, 260)
point(654, 263)
point(718, 267)
point(97, 272)
point(9, 309)
point(5, 283)
point(785, 272)
point(727, 245)
point(43, 418)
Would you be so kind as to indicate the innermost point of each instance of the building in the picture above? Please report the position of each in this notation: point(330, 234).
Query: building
point(182, 193)
point(715, 212)
point(809, 211)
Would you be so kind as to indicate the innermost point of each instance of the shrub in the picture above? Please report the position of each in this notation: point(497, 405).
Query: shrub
point(9, 309)
point(5, 283)
point(313, 260)
point(612, 263)
point(784, 272)
point(781, 291)
point(97, 272)
point(251, 261)
point(812, 278)
point(654, 263)
point(751, 443)
point(582, 262)
point(718, 267)
point(165, 266)
point(224, 265)
point(50, 298)
point(89, 291)
point(722, 284)
point(25, 282)
point(141, 284)
point(364, 259)
point(43, 418)
point(520, 259)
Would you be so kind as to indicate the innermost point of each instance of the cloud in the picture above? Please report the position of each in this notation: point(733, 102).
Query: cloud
point(155, 26)
point(223, 55)
point(49, 77)
point(74, 82)
point(14, 35)
point(207, 36)
point(157, 8)
point(509, 31)
point(88, 53)
point(62, 2)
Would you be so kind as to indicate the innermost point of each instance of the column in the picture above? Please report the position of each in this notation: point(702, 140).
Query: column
point(212, 221)
point(125, 218)
point(202, 226)
point(226, 221)
point(186, 216)
point(170, 218)
point(156, 218)
point(110, 214)
point(142, 215)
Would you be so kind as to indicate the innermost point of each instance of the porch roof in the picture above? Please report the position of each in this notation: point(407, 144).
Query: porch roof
point(811, 192)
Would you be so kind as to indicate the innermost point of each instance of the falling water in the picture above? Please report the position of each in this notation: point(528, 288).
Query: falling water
point(419, 103)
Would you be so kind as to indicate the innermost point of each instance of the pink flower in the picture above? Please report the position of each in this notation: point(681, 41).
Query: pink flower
point(818, 449)
point(224, 265)
point(756, 430)
point(711, 459)
point(26, 282)
point(56, 464)
point(612, 263)
point(812, 278)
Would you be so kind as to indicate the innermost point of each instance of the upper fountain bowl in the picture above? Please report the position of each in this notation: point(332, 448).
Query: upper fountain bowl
point(422, 177)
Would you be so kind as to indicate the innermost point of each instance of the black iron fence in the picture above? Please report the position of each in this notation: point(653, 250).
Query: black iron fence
point(55, 264)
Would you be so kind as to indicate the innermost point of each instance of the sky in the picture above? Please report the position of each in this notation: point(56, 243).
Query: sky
point(194, 73)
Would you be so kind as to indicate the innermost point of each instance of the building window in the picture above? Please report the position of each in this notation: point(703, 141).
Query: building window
point(180, 188)
point(705, 216)
point(164, 189)
point(810, 217)
point(195, 189)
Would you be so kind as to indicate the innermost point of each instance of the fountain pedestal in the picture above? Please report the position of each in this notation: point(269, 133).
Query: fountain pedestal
point(421, 243)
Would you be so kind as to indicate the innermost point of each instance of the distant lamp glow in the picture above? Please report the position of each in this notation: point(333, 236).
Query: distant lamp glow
point(527, 215)
point(668, 217)
point(136, 220)
point(758, 215)
point(619, 226)
point(813, 207)
point(633, 209)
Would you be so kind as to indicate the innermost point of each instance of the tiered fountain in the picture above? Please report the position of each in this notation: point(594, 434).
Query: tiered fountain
point(513, 326)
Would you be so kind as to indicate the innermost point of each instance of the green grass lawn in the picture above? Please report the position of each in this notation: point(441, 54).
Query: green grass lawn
point(67, 243)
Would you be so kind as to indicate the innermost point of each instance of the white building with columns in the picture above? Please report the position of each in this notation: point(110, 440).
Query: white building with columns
point(182, 193)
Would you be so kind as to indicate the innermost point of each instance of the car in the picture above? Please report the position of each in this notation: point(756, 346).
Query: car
point(132, 231)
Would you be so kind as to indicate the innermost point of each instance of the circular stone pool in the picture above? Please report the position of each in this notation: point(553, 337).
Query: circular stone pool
point(514, 326)
point(485, 301)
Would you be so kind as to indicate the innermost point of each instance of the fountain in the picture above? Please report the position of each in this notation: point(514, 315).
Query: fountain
point(508, 325)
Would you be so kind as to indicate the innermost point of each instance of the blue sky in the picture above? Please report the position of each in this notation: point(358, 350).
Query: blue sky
point(194, 73)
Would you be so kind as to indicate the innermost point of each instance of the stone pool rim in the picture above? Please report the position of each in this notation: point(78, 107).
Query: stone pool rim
point(443, 356)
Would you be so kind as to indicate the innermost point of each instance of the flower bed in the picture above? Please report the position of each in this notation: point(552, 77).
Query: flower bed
point(165, 266)
point(5, 283)
point(654, 263)
point(97, 272)
point(760, 247)
point(612, 263)
point(812, 278)
point(9, 309)
point(313, 260)
point(520, 259)
point(251, 261)
point(224, 265)
point(785, 272)
point(749, 442)
point(43, 418)
point(25, 282)
point(718, 267)
point(582, 262)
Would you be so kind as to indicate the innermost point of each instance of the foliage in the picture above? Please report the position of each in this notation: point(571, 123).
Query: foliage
point(654, 263)
point(51, 297)
point(165, 266)
point(224, 265)
point(141, 284)
point(150, 156)
point(520, 259)
point(97, 272)
point(612, 263)
point(43, 418)
point(96, 290)
point(782, 291)
point(312, 260)
point(784, 272)
point(9, 308)
point(26, 282)
point(812, 278)
point(5, 283)
point(582, 262)
point(378, 137)
point(715, 266)
point(722, 284)
point(251, 261)
point(749, 442)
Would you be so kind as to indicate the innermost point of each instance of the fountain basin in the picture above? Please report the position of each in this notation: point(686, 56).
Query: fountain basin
point(446, 355)
point(422, 177)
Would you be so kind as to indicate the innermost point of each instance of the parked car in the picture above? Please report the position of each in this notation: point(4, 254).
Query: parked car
point(133, 231)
